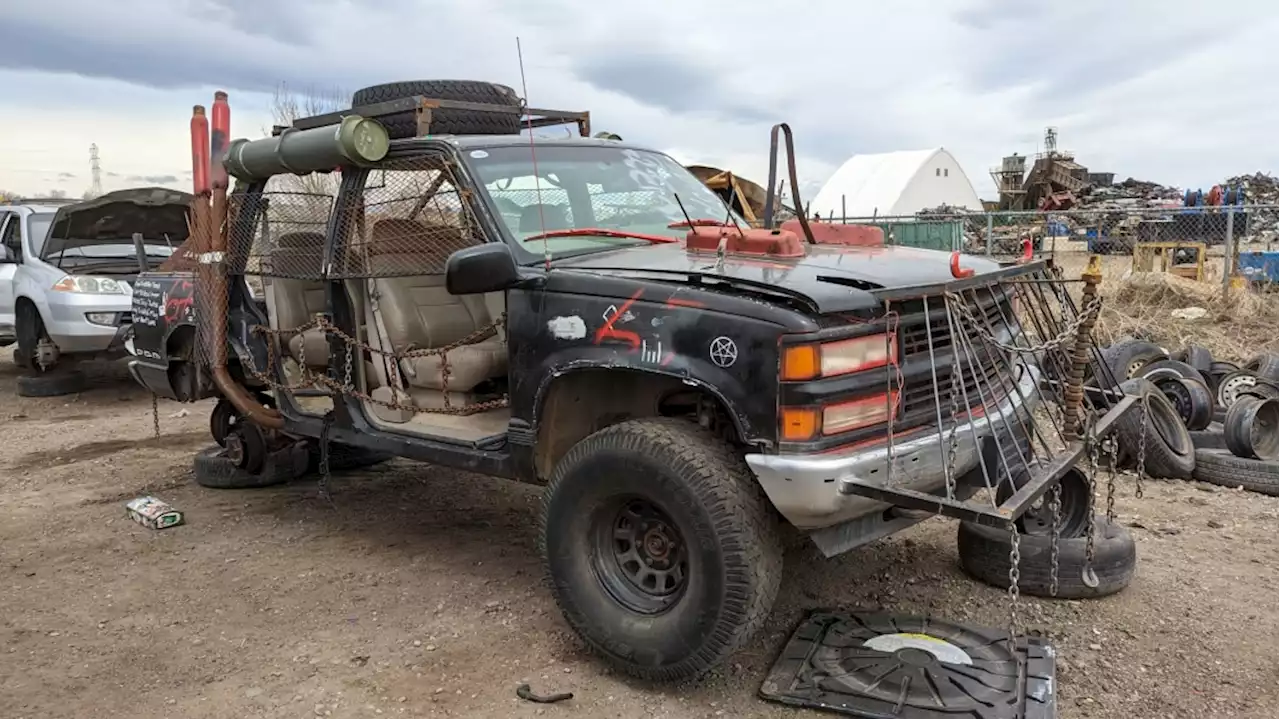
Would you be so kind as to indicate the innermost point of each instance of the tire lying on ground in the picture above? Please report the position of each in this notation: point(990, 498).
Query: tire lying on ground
point(213, 469)
point(1208, 439)
point(53, 384)
point(663, 552)
point(1126, 358)
point(1161, 368)
point(1191, 398)
point(1220, 467)
point(984, 556)
point(1251, 428)
point(1265, 365)
point(446, 121)
point(1200, 358)
point(1169, 451)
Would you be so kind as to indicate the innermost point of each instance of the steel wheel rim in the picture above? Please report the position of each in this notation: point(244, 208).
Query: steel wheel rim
point(639, 555)
point(1037, 521)
point(1231, 387)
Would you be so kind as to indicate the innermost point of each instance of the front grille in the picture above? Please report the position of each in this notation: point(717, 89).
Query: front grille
point(126, 318)
point(926, 351)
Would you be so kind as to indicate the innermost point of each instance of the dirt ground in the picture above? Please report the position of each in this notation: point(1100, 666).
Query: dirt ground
point(418, 592)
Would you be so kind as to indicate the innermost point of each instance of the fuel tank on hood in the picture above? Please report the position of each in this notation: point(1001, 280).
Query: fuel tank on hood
point(833, 278)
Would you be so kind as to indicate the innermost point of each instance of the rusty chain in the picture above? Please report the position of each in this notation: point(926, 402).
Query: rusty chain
point(1068, 333)
point(309, 379)
point(1055, 508)
point(155, 415)
point(1141, 471)
point(1089, 577)
point(1015, 560)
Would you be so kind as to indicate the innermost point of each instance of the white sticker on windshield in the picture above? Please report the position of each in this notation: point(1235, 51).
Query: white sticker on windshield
point(479, 154)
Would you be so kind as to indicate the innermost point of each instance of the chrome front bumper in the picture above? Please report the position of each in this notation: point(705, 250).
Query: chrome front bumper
point(805, 488)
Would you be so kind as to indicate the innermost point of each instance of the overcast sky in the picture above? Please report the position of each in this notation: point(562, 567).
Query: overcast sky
point(1183, 93)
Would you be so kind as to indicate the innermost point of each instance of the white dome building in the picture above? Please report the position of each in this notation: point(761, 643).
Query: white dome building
point(890, 184)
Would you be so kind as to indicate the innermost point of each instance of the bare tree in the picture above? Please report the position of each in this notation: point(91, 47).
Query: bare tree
point(288, 105)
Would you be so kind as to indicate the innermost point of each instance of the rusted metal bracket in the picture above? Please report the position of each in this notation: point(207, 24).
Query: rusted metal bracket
point(534, 117)
point(1042, 480)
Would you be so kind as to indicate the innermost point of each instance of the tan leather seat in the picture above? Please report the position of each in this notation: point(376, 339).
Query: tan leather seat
point(295, 302)
point(417, 312)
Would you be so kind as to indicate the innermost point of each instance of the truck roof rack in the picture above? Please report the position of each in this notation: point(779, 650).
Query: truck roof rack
point(422, 107)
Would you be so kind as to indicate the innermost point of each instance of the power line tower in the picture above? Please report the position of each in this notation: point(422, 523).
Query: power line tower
point(95, 170)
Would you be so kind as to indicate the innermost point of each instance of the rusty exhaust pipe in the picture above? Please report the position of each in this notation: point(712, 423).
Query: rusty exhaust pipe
point(214, 236)
point(791, 176)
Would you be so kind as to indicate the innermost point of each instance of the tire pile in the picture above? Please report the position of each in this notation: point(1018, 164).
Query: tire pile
point(1227, 425)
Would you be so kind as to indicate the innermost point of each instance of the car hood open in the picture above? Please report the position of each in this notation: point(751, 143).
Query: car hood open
point(158, 213)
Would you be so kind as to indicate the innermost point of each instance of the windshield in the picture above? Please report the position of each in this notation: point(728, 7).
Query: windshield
point(38, 225)
point(611, 188)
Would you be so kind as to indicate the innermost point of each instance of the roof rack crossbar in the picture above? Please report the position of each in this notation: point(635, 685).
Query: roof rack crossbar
point(423, 106)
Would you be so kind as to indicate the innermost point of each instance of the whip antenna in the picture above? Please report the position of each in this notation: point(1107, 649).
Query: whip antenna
point(533, 154)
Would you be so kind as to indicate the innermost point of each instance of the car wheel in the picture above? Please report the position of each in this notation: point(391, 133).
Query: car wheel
point(663, 552)
point(31, 334)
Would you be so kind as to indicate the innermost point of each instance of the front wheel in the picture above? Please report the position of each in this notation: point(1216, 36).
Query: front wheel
point(664, 553)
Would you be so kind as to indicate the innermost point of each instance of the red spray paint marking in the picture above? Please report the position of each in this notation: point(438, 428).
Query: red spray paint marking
point(677, 302)
point(607, 330)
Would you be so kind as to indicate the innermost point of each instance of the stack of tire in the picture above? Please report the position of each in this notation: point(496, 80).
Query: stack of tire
point(1226, 414)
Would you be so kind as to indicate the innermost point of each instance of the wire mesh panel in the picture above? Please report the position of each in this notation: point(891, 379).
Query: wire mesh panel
point(412, 218)
point(278, 234)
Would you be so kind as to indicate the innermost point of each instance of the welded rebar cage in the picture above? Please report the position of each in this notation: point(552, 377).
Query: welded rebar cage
point(997, 380)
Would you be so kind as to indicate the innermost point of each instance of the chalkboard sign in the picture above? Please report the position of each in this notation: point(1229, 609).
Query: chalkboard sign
point(148, 302)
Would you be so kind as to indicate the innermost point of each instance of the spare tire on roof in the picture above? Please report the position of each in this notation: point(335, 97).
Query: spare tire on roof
point(446, 121)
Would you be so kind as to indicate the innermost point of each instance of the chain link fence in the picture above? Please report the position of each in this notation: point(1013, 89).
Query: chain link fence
point(1198, 242)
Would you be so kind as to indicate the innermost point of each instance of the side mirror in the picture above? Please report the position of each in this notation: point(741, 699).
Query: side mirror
point(484, 268)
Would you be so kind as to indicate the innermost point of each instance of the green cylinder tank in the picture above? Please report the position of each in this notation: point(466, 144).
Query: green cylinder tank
point(354, 141)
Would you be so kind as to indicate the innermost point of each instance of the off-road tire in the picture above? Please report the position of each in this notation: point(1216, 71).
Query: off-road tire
point(1123, 357)
point(1220, 467)
point(344, 457)
point(723, 517)
point(1169, 451)
point(51, 384)
point(213, 469)
point(446, 121)
point(984, 556)
point(30, 330)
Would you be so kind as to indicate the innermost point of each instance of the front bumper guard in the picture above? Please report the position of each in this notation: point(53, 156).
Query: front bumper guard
point(817, 491)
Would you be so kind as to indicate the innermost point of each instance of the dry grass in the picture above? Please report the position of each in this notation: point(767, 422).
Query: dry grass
point(1139, 305)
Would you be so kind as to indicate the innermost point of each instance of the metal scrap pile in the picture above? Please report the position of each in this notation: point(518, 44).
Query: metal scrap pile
point(1259, 188)
point(1128, 194)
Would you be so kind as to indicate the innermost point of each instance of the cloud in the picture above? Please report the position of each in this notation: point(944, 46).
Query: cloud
point(154, 179)
point(1169, 95)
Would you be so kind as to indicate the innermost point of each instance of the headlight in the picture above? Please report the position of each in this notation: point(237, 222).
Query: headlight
point(89, 285)
point(802, 424)
point(829, 359)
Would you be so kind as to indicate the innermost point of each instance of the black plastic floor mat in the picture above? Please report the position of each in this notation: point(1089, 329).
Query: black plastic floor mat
point(887, 666)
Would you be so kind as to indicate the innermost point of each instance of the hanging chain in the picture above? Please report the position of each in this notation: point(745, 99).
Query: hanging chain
point(1055, 507)
point(325, 425)
point(1109, 446)
point(952, 442)
point(1142, 447)
point(1089, 577)
point(311, 380)
point(1015, 559)
point(155, 415)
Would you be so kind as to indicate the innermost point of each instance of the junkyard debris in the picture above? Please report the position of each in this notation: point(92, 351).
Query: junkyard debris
point(152, 513)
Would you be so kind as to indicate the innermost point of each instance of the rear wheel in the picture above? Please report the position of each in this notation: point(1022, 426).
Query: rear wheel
point(664, 553)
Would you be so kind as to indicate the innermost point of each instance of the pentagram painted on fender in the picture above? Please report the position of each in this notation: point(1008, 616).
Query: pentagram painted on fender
point(724, 352)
